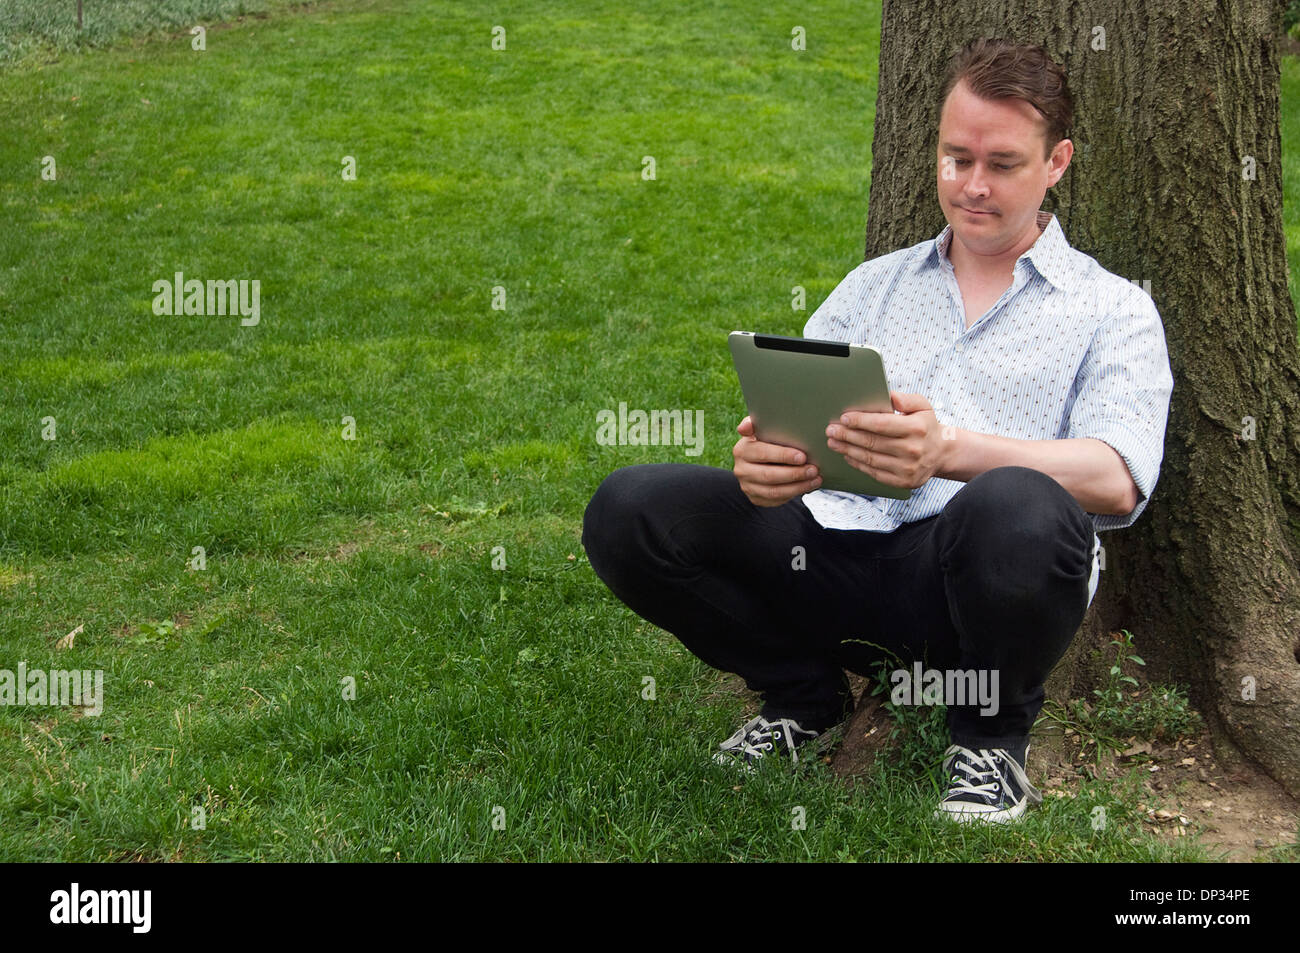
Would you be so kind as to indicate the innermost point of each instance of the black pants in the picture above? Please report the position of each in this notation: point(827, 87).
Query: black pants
point(998, 581)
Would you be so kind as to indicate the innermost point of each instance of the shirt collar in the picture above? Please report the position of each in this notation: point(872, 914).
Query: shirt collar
point(1049, 254)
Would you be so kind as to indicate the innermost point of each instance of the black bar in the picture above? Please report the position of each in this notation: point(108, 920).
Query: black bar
point(777, 342)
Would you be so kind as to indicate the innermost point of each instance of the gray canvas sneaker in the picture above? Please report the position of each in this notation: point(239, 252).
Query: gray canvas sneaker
point(985, 786)
point(758, 738)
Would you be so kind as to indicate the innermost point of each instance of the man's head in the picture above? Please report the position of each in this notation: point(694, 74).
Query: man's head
point(1004, 112)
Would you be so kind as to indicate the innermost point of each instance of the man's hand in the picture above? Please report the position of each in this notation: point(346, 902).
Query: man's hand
point(769, 473)
point(902, 450)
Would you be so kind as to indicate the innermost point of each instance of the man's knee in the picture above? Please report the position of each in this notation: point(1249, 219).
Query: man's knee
point(1017, 521)
point(614, 503)
point(630, 498)
point(1027, 500)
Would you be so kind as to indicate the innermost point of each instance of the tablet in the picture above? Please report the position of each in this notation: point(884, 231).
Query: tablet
point(794, 387)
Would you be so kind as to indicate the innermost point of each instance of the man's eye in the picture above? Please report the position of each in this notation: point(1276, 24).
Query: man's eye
point(1001, 167)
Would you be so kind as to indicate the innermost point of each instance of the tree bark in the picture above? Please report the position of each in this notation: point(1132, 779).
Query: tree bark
point(1172, 116)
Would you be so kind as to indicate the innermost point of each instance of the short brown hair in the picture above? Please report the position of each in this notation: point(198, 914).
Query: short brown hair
point(997, 69)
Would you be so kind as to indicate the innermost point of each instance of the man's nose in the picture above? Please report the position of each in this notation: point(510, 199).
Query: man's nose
point(976, 183)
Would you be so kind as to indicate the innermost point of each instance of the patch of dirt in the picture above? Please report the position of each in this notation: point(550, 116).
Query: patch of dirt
point(1236, 813)
point(363, 536)
point(866, 735)
point(344, 551)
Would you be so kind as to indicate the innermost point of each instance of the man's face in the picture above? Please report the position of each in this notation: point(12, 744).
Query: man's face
point(991, 172)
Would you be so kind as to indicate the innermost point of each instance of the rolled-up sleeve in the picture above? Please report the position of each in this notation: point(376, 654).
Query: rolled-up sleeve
point(1122, 394)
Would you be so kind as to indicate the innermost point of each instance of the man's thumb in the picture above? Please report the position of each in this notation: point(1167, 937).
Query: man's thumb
point(908, 403)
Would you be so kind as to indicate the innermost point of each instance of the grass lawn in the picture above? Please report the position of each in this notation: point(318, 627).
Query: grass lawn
point(1290, 96)
point(332, 561)
point(34, 31)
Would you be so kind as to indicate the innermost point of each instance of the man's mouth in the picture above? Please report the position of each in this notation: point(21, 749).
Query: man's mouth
point(975, 211)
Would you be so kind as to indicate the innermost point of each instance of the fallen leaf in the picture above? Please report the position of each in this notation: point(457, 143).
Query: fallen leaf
point(67, 640)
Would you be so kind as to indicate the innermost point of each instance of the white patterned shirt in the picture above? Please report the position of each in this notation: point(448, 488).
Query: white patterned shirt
point(1069, 350)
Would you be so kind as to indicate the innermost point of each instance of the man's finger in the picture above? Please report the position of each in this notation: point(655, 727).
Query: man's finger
point(864, 440)
point(888, 425)
point(882, 468)
point(757, 451)
point(874, 462)
point(776, 475)
point(781, 493)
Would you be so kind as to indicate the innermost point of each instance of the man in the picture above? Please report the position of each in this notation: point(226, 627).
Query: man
point(1031, 392)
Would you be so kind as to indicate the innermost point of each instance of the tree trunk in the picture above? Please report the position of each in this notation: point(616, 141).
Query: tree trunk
point(1176, 107)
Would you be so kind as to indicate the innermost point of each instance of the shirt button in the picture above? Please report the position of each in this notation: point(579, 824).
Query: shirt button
point(958, 348)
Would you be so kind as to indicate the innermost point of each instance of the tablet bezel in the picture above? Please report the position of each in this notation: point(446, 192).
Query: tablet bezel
point(793, 387)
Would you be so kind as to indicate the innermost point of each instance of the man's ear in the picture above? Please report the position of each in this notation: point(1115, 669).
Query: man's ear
point(1060, 161)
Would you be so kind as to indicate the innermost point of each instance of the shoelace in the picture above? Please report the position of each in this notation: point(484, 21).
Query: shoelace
point(756, 740)
point(969, 761)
